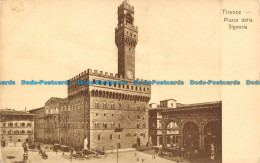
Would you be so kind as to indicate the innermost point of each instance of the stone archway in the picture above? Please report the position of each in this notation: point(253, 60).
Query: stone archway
point(190, 135)
point(212, 135)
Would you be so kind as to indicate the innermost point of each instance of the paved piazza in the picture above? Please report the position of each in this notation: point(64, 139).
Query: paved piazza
point(34, 157)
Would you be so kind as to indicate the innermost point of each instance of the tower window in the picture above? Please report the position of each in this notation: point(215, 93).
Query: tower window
point(99, 136)
point(129, 19)
point(112, 106)
point(111, 137)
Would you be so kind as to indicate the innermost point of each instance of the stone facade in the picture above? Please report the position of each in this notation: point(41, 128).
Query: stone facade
point(108, 115)
point(171, 126)
point(39, 124)
point(199, 126)
point(16, 127)
point(156, 123)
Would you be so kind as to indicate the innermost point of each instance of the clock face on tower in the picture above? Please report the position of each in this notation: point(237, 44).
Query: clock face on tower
point(129, 74)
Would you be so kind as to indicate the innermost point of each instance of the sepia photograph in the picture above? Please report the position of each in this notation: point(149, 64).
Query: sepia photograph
point(120, 81)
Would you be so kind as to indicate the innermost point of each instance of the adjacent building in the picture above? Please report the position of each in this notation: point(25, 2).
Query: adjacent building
point(156, 123)
point(16, 127)
point(191, 126)
point(39, 124)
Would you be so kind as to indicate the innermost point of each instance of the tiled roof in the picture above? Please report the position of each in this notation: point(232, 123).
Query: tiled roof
point(14, 112)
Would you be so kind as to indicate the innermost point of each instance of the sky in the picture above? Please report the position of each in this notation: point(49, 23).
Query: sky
point(58, 39)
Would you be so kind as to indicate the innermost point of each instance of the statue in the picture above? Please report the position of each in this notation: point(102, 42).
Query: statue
point(150, 143)
point(86, 143)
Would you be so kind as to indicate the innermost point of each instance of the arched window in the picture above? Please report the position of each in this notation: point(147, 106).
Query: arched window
point(138, 125)
point(104, 105)
point(22, 124)
point(96, 104)
point(29, 124)
point(112, 106)
point(96, 125)
point(112, 125)
point(105, 125)
point(129, 19)
point(10, 124)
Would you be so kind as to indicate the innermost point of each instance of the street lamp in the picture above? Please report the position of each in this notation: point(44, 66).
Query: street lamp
point(117, 130)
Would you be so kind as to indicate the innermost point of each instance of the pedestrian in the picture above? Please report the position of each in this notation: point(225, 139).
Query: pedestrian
point(137, 159)
point(142, 160)
point(3, 143)
point(135, 153)
point(71, 157)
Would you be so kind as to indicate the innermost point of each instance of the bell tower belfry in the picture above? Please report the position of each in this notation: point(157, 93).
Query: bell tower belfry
point(126, 38)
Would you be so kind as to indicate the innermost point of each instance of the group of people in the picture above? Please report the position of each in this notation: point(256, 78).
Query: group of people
point(25, 149)
point(3, 142)
point(42, 152)
point(137, 159)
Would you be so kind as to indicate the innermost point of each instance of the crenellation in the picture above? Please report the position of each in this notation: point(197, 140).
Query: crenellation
point(111, 103)
point(89, 71)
